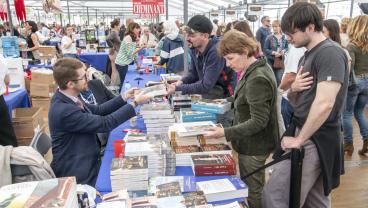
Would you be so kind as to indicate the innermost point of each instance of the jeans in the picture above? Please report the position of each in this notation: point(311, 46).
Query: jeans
point(70, 55)
point(278, 74)
point(122, 70)
point(287, 111)
point(356, 100)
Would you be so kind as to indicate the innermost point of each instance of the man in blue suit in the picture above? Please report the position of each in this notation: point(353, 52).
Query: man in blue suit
point(74, 125)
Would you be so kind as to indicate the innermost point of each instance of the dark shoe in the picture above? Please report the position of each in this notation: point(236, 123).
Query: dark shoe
point(365, 148)
point(349, 147)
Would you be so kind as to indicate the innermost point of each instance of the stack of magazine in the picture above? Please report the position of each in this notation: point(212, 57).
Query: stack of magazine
point(157, 117)
point(130, 172)
point(179, 101)
point(47, 193)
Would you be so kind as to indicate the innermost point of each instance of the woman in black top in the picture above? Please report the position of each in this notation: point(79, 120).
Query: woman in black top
point(32, 41)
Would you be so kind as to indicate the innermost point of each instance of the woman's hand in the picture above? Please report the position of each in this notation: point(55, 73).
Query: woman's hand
point(215, 132)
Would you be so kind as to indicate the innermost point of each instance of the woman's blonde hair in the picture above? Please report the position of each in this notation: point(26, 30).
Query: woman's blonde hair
point(358, 32)
point(344, 24)
point(276, 22)
point(236, 42)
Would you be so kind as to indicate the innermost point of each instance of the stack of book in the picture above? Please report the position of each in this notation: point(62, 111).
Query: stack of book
point(48, 193)
point(155, 90)
point(115, 199)
point(130, 172)
point(157, 117)
point(144, 202)
point(194, 199)
point(211, 106)
point(135, 137)
point(154, 158)
point(179, 101)
point(188, 115)
point(187, 183)
point(170, 78)
point(195, 143)
point(231, 188)
point(234, 204)
point(213, 165)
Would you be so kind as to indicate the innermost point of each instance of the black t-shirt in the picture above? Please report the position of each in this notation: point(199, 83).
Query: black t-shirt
point(325, 62)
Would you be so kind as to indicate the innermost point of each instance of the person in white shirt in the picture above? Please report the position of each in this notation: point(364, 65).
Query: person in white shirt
point(291, 61)
point(68, 45)
point(148, 39)
point(45, 30)
point(7, 135)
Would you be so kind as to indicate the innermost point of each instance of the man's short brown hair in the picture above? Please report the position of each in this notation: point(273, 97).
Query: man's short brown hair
point(235, 42)
point(65, 70)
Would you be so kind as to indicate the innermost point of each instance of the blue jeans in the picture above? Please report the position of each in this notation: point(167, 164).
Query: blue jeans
point(278, 74)
point(287, 111)
point(70, 55)
point(122, 73)
point(356, 100)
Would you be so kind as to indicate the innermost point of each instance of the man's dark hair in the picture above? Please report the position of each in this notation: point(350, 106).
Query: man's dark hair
point(333, 29)
point(264, 17)
point(299, 16)
point(65, 70)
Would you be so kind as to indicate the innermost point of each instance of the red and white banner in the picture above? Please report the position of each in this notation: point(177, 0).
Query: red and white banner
point(148, 6)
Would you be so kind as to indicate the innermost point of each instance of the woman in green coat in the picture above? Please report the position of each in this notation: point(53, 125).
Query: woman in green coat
point(254, 132)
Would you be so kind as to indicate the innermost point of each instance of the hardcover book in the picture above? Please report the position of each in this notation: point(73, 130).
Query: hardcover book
point(168, 189)
point(212, 106)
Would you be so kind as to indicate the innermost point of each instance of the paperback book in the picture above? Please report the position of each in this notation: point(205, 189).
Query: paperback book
point(212, 106)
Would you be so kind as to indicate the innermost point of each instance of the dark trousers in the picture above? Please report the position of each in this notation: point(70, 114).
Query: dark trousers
point(122, 73)
point(7, 135)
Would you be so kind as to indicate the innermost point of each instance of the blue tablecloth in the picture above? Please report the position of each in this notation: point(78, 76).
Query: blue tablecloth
point(17, 99)
point(47, 66)
point(103, 183)
point(97, 60)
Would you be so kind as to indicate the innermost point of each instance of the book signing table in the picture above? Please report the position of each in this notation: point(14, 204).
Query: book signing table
point(97, 60)
point(17, 99)
point(103, 183)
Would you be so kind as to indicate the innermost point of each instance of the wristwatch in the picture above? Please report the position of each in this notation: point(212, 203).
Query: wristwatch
point(135, 104)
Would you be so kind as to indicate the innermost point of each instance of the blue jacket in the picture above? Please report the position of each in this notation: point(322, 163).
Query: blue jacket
point(261, 35)
point(74, 134)
point(272, 44)
point(206, 75)
point(172, 53)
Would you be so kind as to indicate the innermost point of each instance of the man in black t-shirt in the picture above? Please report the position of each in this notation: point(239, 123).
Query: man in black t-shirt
point(318, 94)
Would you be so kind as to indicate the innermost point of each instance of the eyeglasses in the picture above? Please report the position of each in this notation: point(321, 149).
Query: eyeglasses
point(267, 20)
point(84, 77)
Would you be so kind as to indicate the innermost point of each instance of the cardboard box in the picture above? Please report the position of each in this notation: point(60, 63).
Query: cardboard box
point(26, 120)
point(26, 141)
point(42, 90)
point(47, 52)
point(42, 78)
point(43, 103)
point(28, 84)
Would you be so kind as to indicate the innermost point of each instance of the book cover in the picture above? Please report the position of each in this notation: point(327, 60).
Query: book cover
point(212, 106)
point(221, 185)
point(172, 202)
point(144, 202)
point(186, 149)
point(193, 128)
point(214, 147)
point(16, 195)
point(168, 189)
point(135, 137)
point(187, 183)
point(194, 199)
point(217, 172)
point(212, 162)
point(52, 193)
point(156, 90)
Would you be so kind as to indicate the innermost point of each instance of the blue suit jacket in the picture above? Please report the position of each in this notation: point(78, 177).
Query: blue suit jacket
point(74, 134)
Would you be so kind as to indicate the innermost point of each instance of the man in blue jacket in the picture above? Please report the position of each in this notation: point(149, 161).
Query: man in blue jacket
point(74, 125)
point(208, 74)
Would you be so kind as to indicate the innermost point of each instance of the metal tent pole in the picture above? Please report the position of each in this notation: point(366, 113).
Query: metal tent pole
point(186, 49)
point(167, 9)
point(67, 4)
point(10, 18)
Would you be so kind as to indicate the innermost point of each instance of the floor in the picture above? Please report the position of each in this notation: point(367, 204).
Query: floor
point(353, 190)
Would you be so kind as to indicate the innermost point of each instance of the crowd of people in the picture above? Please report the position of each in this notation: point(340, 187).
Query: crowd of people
point(297, 86)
